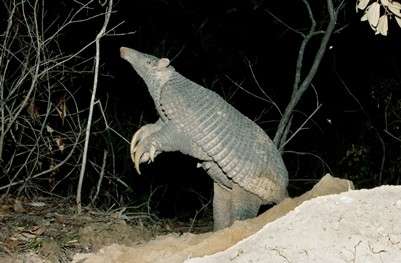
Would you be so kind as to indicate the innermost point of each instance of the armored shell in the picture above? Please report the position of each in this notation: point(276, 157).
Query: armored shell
point(235, 143)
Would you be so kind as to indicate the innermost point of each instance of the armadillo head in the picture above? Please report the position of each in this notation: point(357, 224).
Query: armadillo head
point(154, 71)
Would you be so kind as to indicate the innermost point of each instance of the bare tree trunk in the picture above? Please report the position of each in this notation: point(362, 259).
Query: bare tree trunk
point(300, 86)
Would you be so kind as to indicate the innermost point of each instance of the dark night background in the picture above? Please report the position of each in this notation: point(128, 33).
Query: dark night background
point(213, 43)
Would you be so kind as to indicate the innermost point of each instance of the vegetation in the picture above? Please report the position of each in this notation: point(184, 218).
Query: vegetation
point(68, 105)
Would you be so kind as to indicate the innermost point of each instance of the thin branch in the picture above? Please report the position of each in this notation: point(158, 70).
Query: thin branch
point(101, 175)
point(2, 80)
point(246, 90)
point(296, 31)
point(204, 206)
point(262, 90)
point(392, 136)
point(300, 127)
point(92, 103)
point(107, 124)
point(51, 169)
point(314, 155)
point(299, 87)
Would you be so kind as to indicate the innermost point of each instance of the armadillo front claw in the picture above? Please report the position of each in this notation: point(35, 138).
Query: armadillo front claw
point(141, 134)
point(139, 156)
point(138, 136)
point(144, 151)
point(136, 162)
point(135, 155)
point(152, 152)
point(143, 145)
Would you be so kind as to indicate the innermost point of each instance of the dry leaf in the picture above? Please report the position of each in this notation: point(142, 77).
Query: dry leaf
point(33, 110)
point(25, 236)
point(18, 206)
point(395, 8)
point(49, 129)
point(385, 2)
point(60, 143)
point(37, 230)
point(37, 204)
point(382, 26)
point(364, 17)
point(60, 218)
point(362, 4)
point(5, 210)
point(373, 14)
point(11, 244)
point(398, 20)
point(61, 108)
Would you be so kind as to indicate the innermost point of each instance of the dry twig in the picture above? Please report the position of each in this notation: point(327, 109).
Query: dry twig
point(101, 33)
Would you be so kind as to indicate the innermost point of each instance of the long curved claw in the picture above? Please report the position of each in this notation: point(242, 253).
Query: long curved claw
point(134, 147)
point(152, 153)
point(137, 166)
point(140, 155)
point(132, 150)
point(137, 158)
point(144, 132)
point(140, 149)
point(136, 138)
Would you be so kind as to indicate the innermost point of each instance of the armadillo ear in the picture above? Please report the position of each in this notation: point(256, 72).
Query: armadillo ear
point(163, 63)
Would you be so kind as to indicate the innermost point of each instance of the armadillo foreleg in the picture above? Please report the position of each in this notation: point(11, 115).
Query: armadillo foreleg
point(144, 132)
point(153, 140)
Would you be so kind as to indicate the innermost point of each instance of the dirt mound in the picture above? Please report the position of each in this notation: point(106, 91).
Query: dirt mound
point(357, 226)
point(174, 248)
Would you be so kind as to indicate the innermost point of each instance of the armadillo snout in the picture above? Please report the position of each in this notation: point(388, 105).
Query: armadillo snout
point(124, 52)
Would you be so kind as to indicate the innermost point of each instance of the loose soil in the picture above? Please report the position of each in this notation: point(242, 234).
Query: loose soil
point(42, 231)
point(50, 230)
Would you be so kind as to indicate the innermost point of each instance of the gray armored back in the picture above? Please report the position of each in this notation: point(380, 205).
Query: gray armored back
point(238, 145)
point(236, 153)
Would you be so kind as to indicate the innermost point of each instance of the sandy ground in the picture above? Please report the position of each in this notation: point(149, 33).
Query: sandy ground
point(356, 226)
point(335, 225)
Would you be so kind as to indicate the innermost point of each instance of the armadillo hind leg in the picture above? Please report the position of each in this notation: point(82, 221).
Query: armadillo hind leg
point(221, 207)
point(244, 203)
